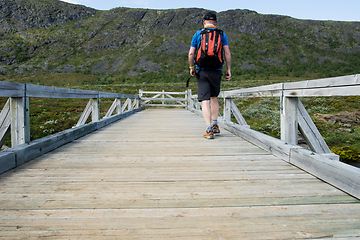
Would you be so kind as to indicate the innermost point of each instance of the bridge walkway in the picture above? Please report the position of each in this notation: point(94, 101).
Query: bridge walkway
point(153, 176)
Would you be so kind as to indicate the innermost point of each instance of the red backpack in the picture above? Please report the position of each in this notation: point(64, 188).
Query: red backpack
point(209, 54)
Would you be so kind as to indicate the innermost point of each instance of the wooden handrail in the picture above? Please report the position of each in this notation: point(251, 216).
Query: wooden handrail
point(319, 161)
point(337, 86)
point(15, 116)
point(19, 94)
point(10, 89)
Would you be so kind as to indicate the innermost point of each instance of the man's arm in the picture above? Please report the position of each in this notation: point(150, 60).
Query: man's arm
point(228, 61)
point(191, 60)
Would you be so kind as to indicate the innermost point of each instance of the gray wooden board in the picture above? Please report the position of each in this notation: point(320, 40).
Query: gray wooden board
point(153, 176)
point(337, 86)
point(10, 89)
point(7, 161)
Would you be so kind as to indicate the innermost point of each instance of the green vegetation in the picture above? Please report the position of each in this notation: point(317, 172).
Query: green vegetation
point(123, 50)
point(140, 42)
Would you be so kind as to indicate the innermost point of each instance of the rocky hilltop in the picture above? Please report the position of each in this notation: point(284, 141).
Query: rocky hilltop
point(50, 36)
point(21, 15)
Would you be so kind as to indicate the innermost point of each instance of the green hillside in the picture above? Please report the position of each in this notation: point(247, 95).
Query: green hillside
point(154, 43)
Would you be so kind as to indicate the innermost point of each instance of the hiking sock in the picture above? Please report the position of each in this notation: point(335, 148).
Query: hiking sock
point(209, 128)
point(214, 123)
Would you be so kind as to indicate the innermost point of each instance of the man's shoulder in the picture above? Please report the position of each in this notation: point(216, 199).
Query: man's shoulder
point(197, 33)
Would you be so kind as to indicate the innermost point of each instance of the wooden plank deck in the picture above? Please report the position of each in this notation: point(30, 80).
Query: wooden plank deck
point(153, 176)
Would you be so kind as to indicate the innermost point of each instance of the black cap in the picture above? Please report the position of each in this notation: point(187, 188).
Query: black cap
point(210, 16)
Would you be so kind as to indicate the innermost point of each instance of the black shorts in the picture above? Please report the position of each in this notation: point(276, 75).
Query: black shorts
point(208, 84)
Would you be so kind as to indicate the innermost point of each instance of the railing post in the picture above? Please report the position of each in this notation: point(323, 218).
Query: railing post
point(95, 112)
point(163, 96)
point(140, 97)
point(289, 120)
point(118, 106)
point(130, 104)
point(227, 109)
point(20, 121)
point(198, 105)
point(189, 100)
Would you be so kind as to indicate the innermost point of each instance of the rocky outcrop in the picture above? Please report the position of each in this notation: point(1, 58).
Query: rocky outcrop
point(20, 15)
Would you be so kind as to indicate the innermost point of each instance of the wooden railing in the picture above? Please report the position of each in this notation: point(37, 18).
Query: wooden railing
point(318, 161)
point(163, 99)
point(15, 120)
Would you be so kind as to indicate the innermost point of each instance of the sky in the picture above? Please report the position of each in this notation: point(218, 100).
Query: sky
point(336, 10)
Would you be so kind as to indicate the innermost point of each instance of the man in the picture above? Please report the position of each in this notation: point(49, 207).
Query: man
point(209, 79)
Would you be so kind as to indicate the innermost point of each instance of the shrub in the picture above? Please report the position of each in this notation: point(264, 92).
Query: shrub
point(347, 153)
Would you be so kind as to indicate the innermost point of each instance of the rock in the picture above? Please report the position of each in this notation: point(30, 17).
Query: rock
point(172, 46)
point(246, 65)
point(19, 70)
point(117, 63)
point(100, 67)
point(68, 69)
point(147, 66)
point(2, 70)
point(273, 61)
point(19, 15)
point(346, 120)
point(345, 130)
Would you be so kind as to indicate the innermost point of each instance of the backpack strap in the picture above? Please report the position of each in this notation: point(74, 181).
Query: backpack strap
point(217, 34)
point(206, 41)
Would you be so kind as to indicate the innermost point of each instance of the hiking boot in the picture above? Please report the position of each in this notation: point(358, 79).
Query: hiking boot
point(209, 134)
point(216, 129)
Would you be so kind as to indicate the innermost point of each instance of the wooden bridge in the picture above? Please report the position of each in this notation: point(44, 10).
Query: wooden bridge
point(151, 175)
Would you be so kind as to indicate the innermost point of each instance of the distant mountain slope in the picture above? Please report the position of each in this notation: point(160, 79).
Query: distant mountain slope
point(50, 36)
point(20, 15)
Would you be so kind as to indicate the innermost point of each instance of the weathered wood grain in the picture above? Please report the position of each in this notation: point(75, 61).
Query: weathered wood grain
point(310, 131)
point(54, 92)
point(337, 173)
point(20, 121)
point(10, 89)
point(29, 151)
point(19, 94)
point(153, 176)
point(337, 86)
point(5, 122)
point(7, 161)
point(289, 120)
point(344, 176)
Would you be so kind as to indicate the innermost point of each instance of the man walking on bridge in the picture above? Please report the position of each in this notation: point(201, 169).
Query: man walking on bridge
point(206, 52)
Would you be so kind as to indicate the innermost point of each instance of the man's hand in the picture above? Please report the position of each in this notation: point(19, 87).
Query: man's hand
point(192, 71)
point(228, 62)
point(228, 75)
